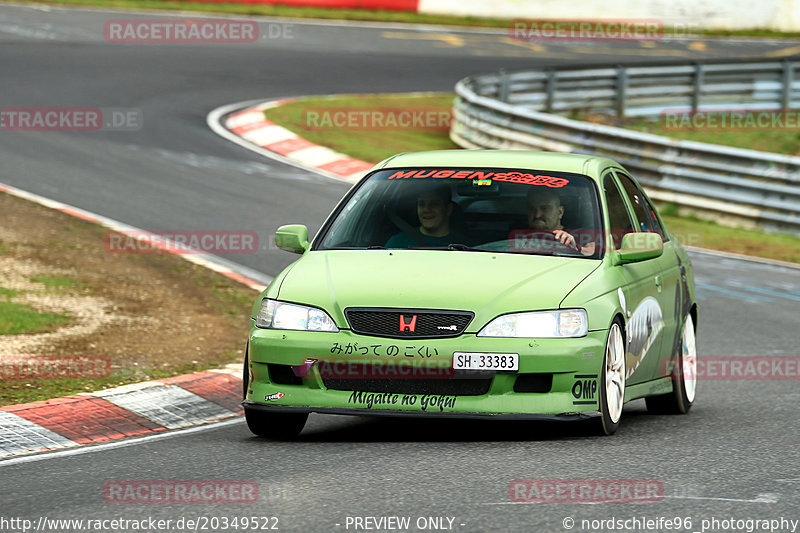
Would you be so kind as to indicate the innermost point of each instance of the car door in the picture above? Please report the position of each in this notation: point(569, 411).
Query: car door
point(643, 321)
point(672, 291)
point(666, 276)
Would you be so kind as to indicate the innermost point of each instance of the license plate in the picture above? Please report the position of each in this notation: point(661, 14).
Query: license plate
point(485, 361)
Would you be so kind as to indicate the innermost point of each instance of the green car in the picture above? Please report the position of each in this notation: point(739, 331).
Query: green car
point(500, 284)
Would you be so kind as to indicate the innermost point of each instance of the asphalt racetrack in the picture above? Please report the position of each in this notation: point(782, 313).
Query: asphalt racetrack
point(736, 456)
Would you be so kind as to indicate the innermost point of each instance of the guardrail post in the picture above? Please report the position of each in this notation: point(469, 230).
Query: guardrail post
point(786, 89)
point(549, 90)
point(698, 86)
point(503, 89)
point(621, 89)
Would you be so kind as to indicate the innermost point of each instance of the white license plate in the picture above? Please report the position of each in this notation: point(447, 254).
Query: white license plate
point(485, 361)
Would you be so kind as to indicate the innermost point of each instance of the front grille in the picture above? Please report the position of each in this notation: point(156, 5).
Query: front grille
point(405, 323)
point(444, 387)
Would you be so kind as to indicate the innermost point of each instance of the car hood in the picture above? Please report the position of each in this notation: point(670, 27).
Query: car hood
point(488, 284)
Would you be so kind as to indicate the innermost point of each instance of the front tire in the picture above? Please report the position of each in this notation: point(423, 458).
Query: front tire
point(684, 377)
point(612, 380)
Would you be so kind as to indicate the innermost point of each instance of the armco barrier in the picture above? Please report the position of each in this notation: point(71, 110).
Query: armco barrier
point(759, 189)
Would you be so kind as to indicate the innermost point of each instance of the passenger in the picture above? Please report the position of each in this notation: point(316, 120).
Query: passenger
point(434, 210)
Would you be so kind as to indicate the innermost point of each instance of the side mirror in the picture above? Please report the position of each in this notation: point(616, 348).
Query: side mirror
point(292, 238)
point(639, 246)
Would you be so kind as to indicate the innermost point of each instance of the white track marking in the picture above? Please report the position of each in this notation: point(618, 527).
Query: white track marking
point(119, 443)
point(760, 498)
point(19, 435)
point(167, 405)
point(214, 119)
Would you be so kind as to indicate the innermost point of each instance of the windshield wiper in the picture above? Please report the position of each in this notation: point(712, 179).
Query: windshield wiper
point(464, 248)
point(452, 246)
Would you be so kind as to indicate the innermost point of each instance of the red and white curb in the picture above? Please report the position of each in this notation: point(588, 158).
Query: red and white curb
point(182, 401)
point(130, 410)
point(121, 412)
point(249, 127)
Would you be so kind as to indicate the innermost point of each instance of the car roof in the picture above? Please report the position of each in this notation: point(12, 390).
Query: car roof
point(576, 163)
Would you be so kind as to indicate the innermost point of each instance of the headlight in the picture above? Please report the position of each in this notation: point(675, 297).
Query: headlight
point(539, 324)
point(281, 315)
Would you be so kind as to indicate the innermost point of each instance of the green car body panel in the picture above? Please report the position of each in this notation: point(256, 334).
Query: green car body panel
point(485, 284)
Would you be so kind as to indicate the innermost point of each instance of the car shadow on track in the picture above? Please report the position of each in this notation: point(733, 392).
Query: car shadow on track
point(339, 428)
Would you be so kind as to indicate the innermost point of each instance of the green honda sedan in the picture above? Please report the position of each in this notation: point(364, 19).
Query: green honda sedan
point(496, 284)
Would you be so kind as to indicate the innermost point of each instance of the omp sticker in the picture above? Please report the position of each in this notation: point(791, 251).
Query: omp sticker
point(584, 389)
point(276, 396)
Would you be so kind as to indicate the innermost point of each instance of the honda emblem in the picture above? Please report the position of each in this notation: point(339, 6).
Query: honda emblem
point(408, 325)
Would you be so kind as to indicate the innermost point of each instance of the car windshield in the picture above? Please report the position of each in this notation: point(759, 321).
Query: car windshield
point(518, 211)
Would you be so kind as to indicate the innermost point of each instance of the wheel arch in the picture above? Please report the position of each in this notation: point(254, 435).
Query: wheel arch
point(693, 313)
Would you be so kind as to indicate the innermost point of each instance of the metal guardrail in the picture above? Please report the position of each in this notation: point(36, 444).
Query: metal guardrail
point(505, 111)
point(629, 91)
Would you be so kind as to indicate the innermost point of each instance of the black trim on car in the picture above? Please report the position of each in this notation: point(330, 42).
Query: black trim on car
point(252, 406)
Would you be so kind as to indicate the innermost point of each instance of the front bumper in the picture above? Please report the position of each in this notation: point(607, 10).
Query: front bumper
point(425, 385)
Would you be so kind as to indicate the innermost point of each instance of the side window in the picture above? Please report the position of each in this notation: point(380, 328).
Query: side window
point(618, 216)
point(645, 213)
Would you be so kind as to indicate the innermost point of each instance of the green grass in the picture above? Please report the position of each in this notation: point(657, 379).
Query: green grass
point(18, 318)
point(227, 300)
point(58, 282)
point(777, 141)
point(370, 145)
point(356, 14)
point(7, 294)
point(374, 146)
point(706, 234)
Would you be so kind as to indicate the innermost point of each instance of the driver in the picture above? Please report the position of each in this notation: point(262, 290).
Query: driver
point(434, 209)
point(544, 214)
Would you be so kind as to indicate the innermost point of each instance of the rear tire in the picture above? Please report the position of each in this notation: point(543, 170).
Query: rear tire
point(612, 380)
point(276, 426)
point(684, 377)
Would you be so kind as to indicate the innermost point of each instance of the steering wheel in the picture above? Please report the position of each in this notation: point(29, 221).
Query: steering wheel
point(539, 241)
